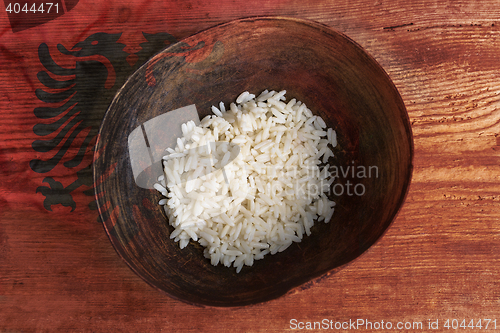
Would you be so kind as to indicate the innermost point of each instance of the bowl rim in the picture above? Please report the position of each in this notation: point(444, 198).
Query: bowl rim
point(315, 280)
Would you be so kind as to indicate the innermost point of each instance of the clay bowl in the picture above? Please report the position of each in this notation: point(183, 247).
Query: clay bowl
point(326, 70)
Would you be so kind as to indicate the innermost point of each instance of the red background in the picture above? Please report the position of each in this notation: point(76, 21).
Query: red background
point(439, 260)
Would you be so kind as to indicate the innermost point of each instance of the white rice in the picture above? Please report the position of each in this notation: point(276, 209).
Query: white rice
point(264, 199)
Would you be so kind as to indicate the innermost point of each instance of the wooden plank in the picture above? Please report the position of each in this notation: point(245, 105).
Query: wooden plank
point(439, 260)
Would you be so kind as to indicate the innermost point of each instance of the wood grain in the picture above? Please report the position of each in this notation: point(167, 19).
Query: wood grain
point(440, 258)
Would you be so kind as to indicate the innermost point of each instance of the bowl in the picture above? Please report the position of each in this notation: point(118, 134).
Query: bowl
point(315, 64)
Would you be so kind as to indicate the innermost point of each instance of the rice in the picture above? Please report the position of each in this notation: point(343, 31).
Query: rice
point(250, 180)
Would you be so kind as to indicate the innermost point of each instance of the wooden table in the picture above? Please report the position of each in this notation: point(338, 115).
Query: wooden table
point(438, 263)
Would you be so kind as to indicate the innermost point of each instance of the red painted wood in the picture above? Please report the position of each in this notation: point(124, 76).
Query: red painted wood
point(439, 260)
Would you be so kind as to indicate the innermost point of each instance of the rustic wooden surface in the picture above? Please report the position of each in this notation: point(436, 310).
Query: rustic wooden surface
point(439, 260)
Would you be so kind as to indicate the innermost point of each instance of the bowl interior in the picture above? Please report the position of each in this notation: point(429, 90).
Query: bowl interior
point(316, 65)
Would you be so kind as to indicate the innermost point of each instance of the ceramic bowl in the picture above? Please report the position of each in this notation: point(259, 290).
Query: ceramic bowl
point(323, 68)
